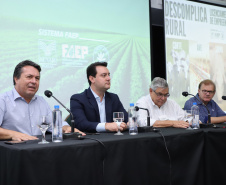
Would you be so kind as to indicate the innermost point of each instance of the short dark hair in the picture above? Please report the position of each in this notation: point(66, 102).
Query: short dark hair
point(91, 69)
point(207, 82)
point(18, 68)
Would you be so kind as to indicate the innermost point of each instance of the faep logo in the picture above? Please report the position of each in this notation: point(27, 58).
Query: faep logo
point(74, 51)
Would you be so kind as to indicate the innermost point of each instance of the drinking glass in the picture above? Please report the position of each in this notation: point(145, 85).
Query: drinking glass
point(44, 124)
point(118, 117)
point(188, 117)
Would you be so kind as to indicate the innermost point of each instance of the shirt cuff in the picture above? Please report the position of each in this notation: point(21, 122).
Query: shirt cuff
point(100, 127)
point(65, 123)
point(152, 121)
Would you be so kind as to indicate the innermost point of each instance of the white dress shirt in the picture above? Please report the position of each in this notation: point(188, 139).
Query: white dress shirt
point(101, 106)
point(170, 110)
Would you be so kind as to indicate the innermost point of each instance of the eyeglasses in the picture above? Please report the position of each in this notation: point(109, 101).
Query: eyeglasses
point(205, 92)
point(160, 95)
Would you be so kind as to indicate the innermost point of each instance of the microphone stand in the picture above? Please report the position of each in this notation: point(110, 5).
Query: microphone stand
point(72, 135)
point(72, 118)
point(147, 128)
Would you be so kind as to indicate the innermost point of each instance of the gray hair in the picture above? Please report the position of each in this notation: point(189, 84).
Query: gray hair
point(158, 82)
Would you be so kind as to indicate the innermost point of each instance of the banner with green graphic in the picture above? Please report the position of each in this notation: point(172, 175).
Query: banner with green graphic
point(65, 36)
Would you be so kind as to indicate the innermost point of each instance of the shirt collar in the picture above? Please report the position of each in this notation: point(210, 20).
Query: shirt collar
point(151, 100)
point(95, 95)
point(17, 96)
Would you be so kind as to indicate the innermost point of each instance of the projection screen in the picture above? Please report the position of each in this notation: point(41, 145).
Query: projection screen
point(65, 36)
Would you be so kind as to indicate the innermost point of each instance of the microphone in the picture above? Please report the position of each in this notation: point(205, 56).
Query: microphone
point(148, 118)
point(209, 116)
point(185, 94)
point(66, 135)
point(224, 97)
point(48, 93)
point(147, 128)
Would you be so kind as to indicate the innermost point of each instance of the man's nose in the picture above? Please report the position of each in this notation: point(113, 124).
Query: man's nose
point(33, 80)
point(163, 97)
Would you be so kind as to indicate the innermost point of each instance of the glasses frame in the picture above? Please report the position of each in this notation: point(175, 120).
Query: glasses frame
point(210, 92)
point(162, 95)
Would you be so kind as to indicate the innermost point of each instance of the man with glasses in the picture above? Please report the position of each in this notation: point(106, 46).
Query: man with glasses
point(206, 91)
point(163, 111)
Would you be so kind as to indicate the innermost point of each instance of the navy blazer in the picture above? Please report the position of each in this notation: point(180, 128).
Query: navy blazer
point(86, 113)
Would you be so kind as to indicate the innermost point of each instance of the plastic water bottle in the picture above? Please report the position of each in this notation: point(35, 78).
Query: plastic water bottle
point(195, 113)
point(57, 125)
point(132, 120)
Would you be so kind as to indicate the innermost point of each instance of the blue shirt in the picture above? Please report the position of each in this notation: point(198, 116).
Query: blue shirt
point(101, 105)
point(18, 115)
point(215, 110)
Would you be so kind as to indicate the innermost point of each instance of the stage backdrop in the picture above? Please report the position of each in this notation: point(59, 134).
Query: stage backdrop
point(65, 36)
point(195, 39)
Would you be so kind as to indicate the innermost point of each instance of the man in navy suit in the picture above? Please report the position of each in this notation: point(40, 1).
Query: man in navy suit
point(93, 109)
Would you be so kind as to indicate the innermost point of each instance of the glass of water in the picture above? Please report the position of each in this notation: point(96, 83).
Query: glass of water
point(118, 117)
point(43, 125)
point(188, 117)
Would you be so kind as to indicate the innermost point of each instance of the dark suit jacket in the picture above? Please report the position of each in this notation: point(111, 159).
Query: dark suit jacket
point(86, 113)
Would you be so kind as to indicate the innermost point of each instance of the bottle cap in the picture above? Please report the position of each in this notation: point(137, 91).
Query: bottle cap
point(194, 103)
point(56, 106)
point(131, 104)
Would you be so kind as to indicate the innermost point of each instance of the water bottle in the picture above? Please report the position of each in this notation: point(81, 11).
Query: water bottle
point(57, 125)
point(195, 113)
point(132, 120)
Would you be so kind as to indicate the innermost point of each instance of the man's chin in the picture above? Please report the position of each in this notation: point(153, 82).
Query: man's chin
point(31, 92)
point(207, 100)
point(160, 104)
point(107, 87)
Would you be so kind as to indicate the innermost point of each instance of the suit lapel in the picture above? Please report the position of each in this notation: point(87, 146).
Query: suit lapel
point(93, 102)
point(108, 107)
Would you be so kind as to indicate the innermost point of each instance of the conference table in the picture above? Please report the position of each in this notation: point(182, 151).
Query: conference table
point(170, 156)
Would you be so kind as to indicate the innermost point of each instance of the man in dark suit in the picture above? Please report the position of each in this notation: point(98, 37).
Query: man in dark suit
point(93, 109)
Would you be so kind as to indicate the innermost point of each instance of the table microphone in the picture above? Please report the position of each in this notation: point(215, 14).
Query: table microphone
point(147, 128)
point(66, 135)
point(209, 116)
point(223, 97)
point(148, 117)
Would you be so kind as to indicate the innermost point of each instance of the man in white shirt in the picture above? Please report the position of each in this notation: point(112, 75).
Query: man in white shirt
point(163, 111)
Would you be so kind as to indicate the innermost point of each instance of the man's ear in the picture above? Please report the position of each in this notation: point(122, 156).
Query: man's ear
point(91, 78)
point(15, 79)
